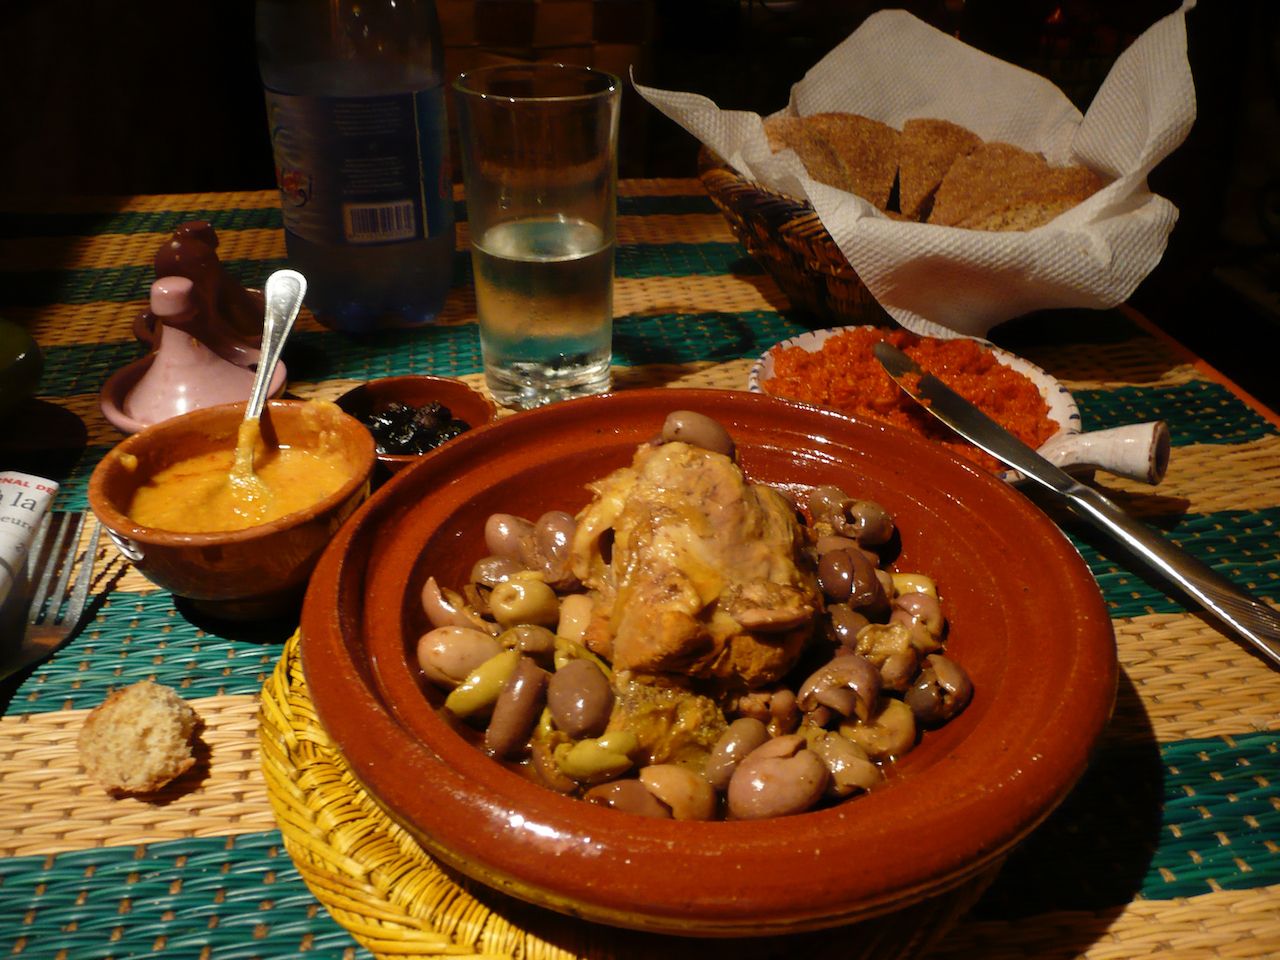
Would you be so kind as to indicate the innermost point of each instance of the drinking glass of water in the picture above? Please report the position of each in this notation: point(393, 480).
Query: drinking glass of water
point(540, 158)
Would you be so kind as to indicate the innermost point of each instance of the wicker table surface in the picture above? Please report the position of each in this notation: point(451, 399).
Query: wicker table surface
point(1170, 846)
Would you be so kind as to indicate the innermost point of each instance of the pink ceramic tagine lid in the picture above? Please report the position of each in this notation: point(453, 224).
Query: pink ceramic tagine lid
point(183, 373)
point(229, 315)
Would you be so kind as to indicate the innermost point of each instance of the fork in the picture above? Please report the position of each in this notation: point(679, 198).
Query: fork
point(60, 575)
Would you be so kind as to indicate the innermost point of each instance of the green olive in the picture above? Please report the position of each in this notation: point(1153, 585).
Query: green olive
point(904, 583)
point(479, 691)
point(599, 759)
point(524, 601)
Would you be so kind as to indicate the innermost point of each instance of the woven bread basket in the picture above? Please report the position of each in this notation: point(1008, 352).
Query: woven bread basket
point(788, 239)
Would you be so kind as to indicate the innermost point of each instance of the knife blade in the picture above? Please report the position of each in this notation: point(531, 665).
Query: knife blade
point(1249, 617)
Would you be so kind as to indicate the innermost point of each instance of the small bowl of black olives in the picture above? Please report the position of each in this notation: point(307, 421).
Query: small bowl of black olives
point(411, 416)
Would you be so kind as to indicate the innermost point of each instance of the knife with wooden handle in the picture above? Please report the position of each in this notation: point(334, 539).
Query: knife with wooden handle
point(1248, 616)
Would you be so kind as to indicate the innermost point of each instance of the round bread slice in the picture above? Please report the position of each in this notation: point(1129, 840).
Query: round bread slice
point(139, 738)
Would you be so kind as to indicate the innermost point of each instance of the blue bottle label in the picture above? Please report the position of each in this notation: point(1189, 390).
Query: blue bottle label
point(362, 170)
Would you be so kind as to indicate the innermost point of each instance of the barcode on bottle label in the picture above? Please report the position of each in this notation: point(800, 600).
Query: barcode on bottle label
point(376, 223)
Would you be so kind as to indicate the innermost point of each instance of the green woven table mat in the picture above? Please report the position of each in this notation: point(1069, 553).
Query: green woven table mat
point(1158, 817)
point(1207, 819)
point(236, 897)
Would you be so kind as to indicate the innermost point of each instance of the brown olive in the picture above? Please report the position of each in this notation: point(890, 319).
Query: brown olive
point(447, 655)
point(516, 710)
point(491, 571)
point(629, 796)
point(547, 548)
point(869, 523)
point(778, 778)
point(843, 624)
point(849, 685)
point(847, 576)
point(919, 608)
point(850, 768)
point(685, 792)
point(743, 736)
point(865, 521)
point(827, 503)
point(445, 608)
point(580, 699)
point(941, 691)
point(697, 430)
point(505, 533)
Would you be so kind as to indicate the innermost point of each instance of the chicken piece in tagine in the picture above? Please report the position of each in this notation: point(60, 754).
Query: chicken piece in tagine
point(694, 570)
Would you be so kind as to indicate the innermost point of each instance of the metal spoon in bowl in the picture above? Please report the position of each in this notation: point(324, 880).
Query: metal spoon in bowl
point(283, 294)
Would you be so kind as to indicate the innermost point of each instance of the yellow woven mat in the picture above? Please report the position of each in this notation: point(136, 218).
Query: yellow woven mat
point(399, 903)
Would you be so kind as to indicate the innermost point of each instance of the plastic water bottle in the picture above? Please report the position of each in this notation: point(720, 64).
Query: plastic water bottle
point(356, 110)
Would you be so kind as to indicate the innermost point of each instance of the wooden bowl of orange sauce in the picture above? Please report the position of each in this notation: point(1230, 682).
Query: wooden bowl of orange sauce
point(166, 497)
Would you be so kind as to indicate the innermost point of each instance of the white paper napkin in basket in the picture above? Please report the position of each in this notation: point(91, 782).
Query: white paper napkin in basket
point(943, 281)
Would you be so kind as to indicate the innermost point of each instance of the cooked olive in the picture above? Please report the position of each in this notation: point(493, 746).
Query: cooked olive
point(849, 685)
point(784, 712)
point(843, 624)
point(743, 736)
point(547, 548)
point(685, 792)
point(580, 699)
point(448, 654)
point(850, 768)
point(516, 710)
point(524, 601)
point(531, 640)
point(847, 576)
point(889, 732)
point(778, 778)
point(921, 608)
point(491, 571)
point(941, 691)
point(504, 534)
point(575, 615)
point(599, 759)
point(697, 430)
point(479, 691)
point(869, 523)
point(864, 521)
point(444, 608)
point(827, 502)
point(629, 796)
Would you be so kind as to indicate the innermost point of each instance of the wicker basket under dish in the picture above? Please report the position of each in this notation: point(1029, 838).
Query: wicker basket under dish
point(788, 239)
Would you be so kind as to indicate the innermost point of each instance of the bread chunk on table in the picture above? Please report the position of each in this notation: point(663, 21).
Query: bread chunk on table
point(139, 738)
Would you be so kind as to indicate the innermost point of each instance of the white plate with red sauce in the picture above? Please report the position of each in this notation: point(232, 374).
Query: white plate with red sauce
point(1138, 451)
